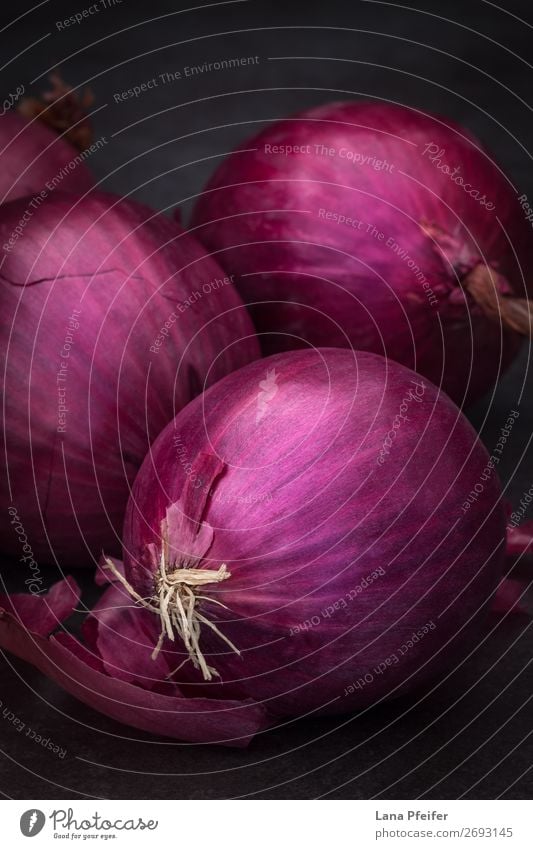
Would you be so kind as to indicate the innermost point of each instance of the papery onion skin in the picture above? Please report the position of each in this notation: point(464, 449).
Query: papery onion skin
point(32, 155)
point(338, 552)
point(379, 284)
point(112, 320)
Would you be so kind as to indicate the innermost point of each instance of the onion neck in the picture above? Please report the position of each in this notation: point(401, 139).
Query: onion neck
point(487, 287)
point(63, 111)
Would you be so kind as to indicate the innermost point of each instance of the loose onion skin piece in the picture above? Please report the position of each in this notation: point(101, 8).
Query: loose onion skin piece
point(102, 341)
point(40, 142)
point(112, 670)
point(275, 474)
point(334, 251)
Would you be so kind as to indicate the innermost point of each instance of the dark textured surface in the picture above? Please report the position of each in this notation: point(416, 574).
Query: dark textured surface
point(469, 736)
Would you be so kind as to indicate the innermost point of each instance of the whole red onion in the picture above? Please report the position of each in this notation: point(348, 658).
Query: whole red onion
point(302, 534)
point(112, 319)
point(34, 158)
point(378, 227)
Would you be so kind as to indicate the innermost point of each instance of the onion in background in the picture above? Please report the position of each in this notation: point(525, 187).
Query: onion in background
point(381, 228)
point(112, 319)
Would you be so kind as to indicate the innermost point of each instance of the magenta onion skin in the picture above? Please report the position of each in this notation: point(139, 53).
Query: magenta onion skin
point(29, 628)
point(379, 284)
point(338, 552)
point(33, 155)
point(102, 341)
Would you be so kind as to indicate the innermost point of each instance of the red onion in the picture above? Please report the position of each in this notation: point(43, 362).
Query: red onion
point(112, 319)
point(519, 536)
point(370, 568)
point(376, 227)
point(301, 535)
point(36, 160)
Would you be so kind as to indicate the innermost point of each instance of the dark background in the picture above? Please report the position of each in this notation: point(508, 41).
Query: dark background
point(468, 737)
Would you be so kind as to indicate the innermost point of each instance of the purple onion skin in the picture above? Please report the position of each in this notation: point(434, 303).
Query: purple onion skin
point(312, 280)
point(32, 155)
point(126, 269)
point(304, 512)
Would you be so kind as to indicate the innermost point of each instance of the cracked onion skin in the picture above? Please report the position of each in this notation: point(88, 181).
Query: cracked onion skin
point(85, 291)
point(308, 279)
point(275, 472)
